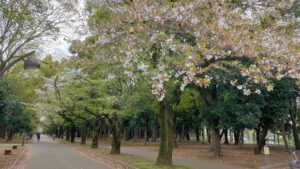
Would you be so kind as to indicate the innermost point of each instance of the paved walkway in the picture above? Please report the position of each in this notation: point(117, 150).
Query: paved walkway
point(195, 164)
point(47, 154)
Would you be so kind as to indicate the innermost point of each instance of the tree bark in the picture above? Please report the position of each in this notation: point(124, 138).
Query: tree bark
point(9, 136)
point(294, 123)
point(116, 142)
point(197, 134)
point(135, 134)
point(147, 131)
point(215, 140)
point(83, 134)
point(285, 141)
point(262, 138)
point(208, 135)
point(174, 132)
point(2, 132)
point(181, 137)
point(95, 141)
point(68, 134)
point(187, 134)
point(236, 137)
point(73, 134)
point(226, 137)
point(166, 117)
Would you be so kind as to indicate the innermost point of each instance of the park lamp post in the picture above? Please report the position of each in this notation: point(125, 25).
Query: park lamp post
point(31, 64)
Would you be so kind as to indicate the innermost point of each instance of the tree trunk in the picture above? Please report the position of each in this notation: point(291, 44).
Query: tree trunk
point(187, 134)
point(68, 134)
point(236, 137)
point(73, 134)
point(116, 142)
point(95, 141)
point(294, 124)
point(197, 133)
point(166, 134)
point(135, 134)
point(9, 136)
point(203, 135)
point(262, 139)
point(146, 131)
point(154, 134)
point(286, 145)
point(83, 134)
point(2, 132)
point(208, 135)
point(174, 132)
point(181, 136)
point(215, 140)
point(257, 134)
point(226, 137)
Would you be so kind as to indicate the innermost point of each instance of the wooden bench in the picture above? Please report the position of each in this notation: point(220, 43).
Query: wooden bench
point(14, 147)
point(7, 152)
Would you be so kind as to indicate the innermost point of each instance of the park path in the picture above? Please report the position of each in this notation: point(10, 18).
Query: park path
point(194, 164)
point(47, 154)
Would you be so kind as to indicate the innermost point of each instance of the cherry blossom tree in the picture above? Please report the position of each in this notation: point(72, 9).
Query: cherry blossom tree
point(175, 43)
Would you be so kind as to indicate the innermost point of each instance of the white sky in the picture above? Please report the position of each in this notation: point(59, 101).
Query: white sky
point(59, 47)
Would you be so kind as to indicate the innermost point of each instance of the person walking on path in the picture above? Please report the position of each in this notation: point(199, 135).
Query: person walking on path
point(38, 136)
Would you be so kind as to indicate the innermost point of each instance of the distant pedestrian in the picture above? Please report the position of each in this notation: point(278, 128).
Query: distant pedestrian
point(38, 136)
point(53, 137)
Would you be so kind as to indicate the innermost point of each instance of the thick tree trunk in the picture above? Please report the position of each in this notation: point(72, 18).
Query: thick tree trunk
point(242, 137)
point(257, 134)
point(294, 124)
point(2, 133)
point(166, 134)
point(73, 134)
point(262, 139)
point(68, 134)
point(197, 133)
point(236, 137)
point(95, 141)
point(226, 137)
point(215, 140)
point(9, 136)
point(116, 142)
point(83, 134)
point(187, 134)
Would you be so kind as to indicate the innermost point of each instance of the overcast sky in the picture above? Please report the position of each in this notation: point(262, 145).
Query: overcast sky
point(59, 47)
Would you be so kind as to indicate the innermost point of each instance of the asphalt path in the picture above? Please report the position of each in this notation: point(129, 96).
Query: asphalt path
point(47, 154)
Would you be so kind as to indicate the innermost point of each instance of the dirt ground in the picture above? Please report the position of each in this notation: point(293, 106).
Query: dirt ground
point(7, 160)
point(231, 154)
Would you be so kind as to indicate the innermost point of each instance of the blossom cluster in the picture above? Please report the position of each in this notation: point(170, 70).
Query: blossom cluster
point(202, 33)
